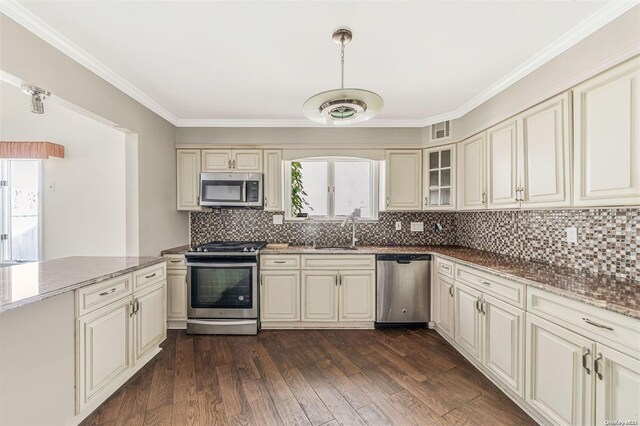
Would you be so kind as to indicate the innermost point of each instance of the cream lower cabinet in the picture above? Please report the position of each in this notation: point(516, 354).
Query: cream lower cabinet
point(280, 296)
point(150, 319)
point(442, 296)
point(559, 373)
point(176, 291)
point(468, 319)
point(356, 295)
point(320, 296)
point(617, 378)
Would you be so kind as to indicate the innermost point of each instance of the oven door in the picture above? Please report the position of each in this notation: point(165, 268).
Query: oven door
point(222, 290)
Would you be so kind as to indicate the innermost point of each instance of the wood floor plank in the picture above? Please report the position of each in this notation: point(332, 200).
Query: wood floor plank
point(158, 416)
point(242, 419)
point(342, 384)
point(242, 362)
point(134, 404)
point(184, 413)
point(161, 392)
point(111, 407)
point(262, 407)
point(344, 363)
point(414, 408)
point(291, 413)
point(184, 382)
point(231, 391)
point(309, 401)
point(373, 416)
point(220, 350)
point(342, 411)
point(210, 409)
point(383, 401)
point(402, 363)
point(277, 387)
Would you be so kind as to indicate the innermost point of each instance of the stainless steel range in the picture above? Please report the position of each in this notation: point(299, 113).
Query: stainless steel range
point(222, 290)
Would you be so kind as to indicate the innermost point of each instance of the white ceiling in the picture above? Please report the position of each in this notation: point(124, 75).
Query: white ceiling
point(255, 63)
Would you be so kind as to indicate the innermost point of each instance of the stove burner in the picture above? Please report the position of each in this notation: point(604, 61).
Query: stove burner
point(230, 247)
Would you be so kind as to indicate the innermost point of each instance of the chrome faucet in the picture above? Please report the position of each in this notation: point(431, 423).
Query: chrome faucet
point(353, 226)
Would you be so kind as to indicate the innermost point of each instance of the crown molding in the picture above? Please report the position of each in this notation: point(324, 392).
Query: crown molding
point(24, 17)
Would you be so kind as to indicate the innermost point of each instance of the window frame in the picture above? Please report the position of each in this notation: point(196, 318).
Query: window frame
point(5, 211)
point(331, 160)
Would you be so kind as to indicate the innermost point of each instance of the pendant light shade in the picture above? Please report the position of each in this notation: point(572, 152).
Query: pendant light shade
point(342, 106)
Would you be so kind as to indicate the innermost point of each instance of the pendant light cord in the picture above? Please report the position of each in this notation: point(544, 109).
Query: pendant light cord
point(342, 63)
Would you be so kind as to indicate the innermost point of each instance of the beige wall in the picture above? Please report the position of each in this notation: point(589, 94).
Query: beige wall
point(31, 59)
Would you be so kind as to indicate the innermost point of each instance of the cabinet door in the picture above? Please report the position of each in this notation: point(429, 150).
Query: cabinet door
point(150, 326)
point(247, 160)
point(357, 296)
point(216, 160)
point(104, 343)
point(503, 342)
point(467, 318)
point(617, 386)
point(280, 296)
point(273, 180)
point(545, 149)
point(177, 294)
point(188, 185)
point(439, 180)
point(319, 296)
point(471, 173)
point(606, 126)
point(502, 165)
point(403, 180)
point(558, 385)
point(443, 303)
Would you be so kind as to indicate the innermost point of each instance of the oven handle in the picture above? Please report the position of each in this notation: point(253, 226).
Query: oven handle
point(248, 322)
point(220, 265)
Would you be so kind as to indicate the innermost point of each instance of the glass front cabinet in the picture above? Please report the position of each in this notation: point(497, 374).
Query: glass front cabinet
point(439, 178)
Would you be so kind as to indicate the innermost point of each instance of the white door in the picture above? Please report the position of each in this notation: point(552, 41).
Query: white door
point(546, 176)
point(273, 180)
point(150, 326)
point(439, 181)
point(216, 160)
point(503, 342)
point(558, 383)
point(617, 386)
point(247, 160)
point(357, 296)
point(502, 165)
point(471, 173)
point(319, 296)
point(443, 303)
point(467, 318)
point(176, 294)
point(188, 185)
point(606, 126)
point(280, 296)
point(403, 179)
point(104, 341)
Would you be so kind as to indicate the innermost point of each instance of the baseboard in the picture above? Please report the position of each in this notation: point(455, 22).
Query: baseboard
point(291, 325)
point(176, 324)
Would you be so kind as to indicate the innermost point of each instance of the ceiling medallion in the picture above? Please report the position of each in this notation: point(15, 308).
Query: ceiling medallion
point(342, 106)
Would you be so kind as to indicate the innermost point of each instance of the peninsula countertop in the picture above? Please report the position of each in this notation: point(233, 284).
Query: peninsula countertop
point(31, 282)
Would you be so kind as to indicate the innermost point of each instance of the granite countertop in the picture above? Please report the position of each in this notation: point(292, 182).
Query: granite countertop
point(175, 250)
point(617, 295)
point(31, 282)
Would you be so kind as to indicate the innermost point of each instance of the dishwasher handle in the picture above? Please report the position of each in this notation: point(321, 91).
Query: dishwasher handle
point(404, 258)
point(404, 262)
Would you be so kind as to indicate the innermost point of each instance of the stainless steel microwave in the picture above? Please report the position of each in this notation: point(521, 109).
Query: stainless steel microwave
point(231, 190)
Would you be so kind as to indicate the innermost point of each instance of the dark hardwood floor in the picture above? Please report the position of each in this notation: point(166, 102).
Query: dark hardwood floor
point(302, 377)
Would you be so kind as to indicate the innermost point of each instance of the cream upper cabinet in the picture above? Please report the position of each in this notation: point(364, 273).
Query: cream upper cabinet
point(617, 385)
point(403, 176)
point(545, 175)
point(471, 173)
point(502, 165)
point(443, 303)
point(236, 160)
point(273, 180)
point(319, 295)
point(606, 135)
point(559, 383)
point(467, 319)
point(280, 295)
point(356, 295)
point(439, 181)
point(188, 182)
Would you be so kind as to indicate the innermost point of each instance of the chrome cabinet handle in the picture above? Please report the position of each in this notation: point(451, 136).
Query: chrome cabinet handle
point(261, 278)
point(133, 311)
point(595, 324)
point(485, 282)
point(229, 165)
point(446, 267)
point(265, 201)
point(595, 366)
point(336, 280)
point(585, 354)
point(104, 293)
point(136, 305)
point(387, 201)
point(426, 201)
point(175, 261)
point(478, 305)
point(151, 276)
point(482, 308)
point(451, 291)
point(484, 198)
point(234, 164)
point(340, 279)
point(279, 261)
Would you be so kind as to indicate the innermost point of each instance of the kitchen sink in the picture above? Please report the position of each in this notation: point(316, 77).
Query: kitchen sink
point(335, 248)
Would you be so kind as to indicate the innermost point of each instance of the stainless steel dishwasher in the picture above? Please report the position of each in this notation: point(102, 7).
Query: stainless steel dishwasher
point(403, 290)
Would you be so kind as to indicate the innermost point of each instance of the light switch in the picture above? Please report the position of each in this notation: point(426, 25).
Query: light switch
point(398, 226)
point(278, 219)
point(572, 235)
point(417, 226)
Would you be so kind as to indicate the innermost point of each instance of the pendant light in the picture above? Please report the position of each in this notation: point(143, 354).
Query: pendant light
point(342, 106)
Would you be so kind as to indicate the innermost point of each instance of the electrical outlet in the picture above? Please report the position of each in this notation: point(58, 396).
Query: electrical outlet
point(398, 226)
point(417, 226)
point(278, 219)
point(572, 235)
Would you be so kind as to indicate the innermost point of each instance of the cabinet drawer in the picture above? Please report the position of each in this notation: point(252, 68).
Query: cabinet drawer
point(95, 296)
point(338, 261)
point(280, 261)
point(444, 267)
point(175, 261)
point(149, 275)
point(498, 287)
point(592, 322)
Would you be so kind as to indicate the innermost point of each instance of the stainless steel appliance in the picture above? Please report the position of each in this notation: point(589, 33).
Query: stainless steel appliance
point(231, 189)
point(222, 290)
point(403, 289)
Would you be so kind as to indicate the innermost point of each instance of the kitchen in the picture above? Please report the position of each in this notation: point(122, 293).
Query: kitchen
point(335, 258)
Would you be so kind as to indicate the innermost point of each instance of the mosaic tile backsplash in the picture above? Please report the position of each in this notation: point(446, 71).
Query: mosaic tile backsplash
point(608, 239)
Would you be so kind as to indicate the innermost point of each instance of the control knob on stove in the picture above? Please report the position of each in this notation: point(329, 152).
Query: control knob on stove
point(245, 249)
point(199, 249)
